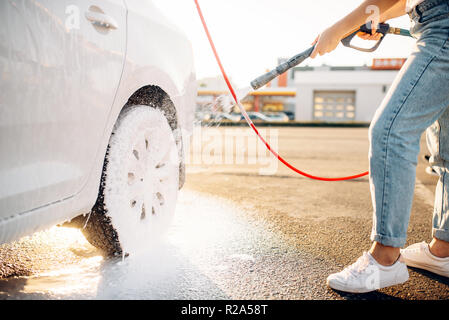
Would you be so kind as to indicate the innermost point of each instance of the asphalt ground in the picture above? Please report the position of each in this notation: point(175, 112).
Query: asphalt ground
point(329, 222)
point(246, 227)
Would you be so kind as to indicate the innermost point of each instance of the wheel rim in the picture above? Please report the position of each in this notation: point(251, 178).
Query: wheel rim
point(148, 177)
point(142, 178)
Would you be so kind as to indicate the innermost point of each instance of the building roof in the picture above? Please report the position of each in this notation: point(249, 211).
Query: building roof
point(378, 64)
point(341, 77)
point(279, 92)
point(274, 92)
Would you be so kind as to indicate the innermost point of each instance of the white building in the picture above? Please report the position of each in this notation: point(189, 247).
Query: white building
point(322, 94)
point(342, 94)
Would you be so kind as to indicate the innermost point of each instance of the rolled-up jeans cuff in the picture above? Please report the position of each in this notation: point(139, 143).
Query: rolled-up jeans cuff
point(388, 241)
point(441, 234)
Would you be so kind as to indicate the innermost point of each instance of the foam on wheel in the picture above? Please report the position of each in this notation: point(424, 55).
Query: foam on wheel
point(139, 186)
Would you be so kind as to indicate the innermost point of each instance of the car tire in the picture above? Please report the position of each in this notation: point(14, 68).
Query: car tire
point(139, 184)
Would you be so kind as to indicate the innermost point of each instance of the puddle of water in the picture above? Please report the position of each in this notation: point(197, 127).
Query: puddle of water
point(204, 233)
point(72, 280)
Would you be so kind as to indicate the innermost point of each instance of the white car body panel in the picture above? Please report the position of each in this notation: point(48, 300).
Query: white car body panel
point(171, 57)
point(61, 92)
point(60, 86)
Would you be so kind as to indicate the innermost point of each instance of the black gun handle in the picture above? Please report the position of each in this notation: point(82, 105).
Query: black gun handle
point(382, 28)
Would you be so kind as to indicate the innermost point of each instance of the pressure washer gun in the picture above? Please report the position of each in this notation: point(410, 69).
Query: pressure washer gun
point(383, 28)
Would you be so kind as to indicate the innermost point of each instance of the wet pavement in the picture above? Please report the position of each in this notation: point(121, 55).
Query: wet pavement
point(211, 252)
point(237, 234)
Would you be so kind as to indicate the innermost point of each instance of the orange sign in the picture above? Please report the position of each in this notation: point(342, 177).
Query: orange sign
point(388, 64)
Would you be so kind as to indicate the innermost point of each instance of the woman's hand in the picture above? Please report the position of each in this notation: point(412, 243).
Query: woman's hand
point(366, 36)
point(329, 39)
point(326, 42)
point(374, 35)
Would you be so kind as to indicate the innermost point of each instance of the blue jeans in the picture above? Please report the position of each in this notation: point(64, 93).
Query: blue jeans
point(418, 99)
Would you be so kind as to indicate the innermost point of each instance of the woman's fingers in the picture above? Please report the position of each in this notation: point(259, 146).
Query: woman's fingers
point(315, 50)
point(366, 36)
point(326, 42)
point(363, 35)
point(314, 53)
point(374, 26)
point(319, 50)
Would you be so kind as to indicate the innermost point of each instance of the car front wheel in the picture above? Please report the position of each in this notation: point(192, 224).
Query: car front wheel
point(139, 185)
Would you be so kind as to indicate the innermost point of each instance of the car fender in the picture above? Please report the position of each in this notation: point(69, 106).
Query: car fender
point(166, 63)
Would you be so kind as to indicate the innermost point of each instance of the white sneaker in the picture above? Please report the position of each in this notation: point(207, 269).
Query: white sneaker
point(419, 256)
point(366, 275)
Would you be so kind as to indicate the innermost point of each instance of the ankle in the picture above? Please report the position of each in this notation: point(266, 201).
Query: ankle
point(384, 255)
point(439, 248)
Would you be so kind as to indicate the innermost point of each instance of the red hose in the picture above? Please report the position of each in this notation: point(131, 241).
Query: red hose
point(231, 89)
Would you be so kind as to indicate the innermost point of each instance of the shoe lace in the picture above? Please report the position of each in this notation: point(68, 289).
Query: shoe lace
point(357, 267)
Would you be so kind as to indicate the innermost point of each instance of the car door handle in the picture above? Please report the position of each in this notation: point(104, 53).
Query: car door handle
point(101, 20)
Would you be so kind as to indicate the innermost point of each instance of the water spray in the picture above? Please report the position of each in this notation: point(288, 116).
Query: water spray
point(383, 28)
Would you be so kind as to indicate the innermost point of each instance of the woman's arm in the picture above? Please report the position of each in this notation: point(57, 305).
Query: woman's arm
point(330, 38)
point(397, 10)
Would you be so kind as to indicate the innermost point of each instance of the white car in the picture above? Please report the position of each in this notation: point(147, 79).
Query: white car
point(257, 116)
point(96, 98)
point(277, 117)
point(233, 117)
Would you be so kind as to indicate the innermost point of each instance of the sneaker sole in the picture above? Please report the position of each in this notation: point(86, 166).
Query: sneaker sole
point(337, 286)
point(426, 267)
point(344, 289)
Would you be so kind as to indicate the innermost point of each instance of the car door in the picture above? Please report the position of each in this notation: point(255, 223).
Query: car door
point(60, 66)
